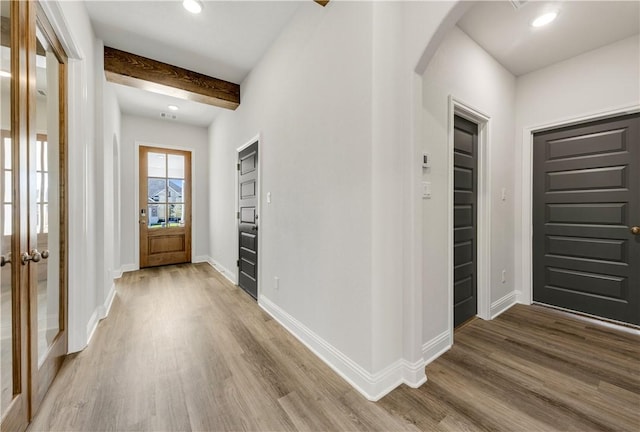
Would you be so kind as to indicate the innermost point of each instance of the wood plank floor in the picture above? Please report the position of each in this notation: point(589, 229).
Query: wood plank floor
point(184, 350)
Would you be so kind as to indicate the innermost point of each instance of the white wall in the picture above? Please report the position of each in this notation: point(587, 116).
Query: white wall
point(587, 85)
point(310, 99)
point(161, 133)
point(72, 22)
point(462, 69)
point(333, 103)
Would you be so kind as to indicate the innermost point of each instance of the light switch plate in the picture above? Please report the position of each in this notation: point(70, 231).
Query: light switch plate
point(426, 190)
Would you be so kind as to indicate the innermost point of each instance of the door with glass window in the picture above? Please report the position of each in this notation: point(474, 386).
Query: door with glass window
point(33, 217)
point(165, 206)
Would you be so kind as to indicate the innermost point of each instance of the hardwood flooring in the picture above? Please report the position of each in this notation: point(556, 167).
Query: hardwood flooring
point(184, 350)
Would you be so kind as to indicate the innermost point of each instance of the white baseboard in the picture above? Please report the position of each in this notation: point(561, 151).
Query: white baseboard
point(117, 273)
point(92, 325)
point(127, 268)
point(372, 386)
point(522, 298)
point(200, 259)
point(231, 276)
point(501, 305)
point(437, 346)
point(106, 307)
point(100, 313)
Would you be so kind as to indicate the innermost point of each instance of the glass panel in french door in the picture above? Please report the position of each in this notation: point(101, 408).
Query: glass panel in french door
point(44, 196)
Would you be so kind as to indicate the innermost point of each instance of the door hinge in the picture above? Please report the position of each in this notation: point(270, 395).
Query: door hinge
point(238, 263)
point(238, 215)
point(238, 166)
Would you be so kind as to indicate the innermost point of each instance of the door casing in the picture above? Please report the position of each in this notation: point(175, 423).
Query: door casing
point(462, 109)
point(525, 278)
point(255, 139)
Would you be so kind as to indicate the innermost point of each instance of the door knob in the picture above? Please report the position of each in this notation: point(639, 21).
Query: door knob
point(635, 230)
point(5, 259)
point(45, 254)
point(34, 256)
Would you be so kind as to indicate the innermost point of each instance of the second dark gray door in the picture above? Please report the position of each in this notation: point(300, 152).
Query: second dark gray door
point(586, 208)
point(465, 215)
point(248, 219)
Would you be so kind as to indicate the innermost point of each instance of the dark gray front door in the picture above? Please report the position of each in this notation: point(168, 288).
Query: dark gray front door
point(465, 175)
point(248, 219)
point(586, 202)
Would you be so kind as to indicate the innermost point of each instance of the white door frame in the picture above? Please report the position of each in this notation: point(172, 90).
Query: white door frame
point(483, 228)
point(526, 276)
point(136, 192)
point(255, 139)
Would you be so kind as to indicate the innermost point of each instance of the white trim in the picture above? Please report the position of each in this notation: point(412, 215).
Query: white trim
point(56, 18)
point(108, 302)
point(231, 276)
point(136, 192)
point(100, 313)
point(256, 139)
point(372, 386)
point(124, 269)
point(504, 303)
point(437, 346)
point(92, 326)
point(200, 259)
point(526, 277)
point(483, 253)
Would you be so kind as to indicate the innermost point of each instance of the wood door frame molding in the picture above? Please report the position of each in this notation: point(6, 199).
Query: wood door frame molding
point(525, 277)
point(136, 186)
point(483, 228)
point(255, 139)
point(141, 72)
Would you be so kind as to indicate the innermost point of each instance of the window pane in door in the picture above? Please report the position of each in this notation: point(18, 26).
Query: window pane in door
point(156, 165)
point(175, 188)
point(176, 218)
point(157, 190)
point(6, 139)
point(176, 166)
point(156, 216)
point(7, 186)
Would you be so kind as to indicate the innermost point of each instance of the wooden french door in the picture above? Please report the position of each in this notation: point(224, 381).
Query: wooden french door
point(165, 206)
point(33, 217)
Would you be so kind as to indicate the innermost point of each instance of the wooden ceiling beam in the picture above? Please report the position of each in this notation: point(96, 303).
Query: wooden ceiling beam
point(322, 3)
point(140, 72)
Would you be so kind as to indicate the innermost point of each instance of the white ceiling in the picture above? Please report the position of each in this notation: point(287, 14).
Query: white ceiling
point(581, 26)
point(142, 103)
point(225, 41)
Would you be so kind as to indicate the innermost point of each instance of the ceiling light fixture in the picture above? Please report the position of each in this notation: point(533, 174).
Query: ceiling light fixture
point(193, 6)
point(173, 107)
point(5, 74)
point(544, 19)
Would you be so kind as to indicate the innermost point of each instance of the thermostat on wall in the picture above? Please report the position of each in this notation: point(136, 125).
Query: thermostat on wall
point(426, 160)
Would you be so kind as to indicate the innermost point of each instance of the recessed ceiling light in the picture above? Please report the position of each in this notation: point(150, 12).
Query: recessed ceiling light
point(193, 6)
point(173, 107)
point(544, 19)
point(5, 74)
